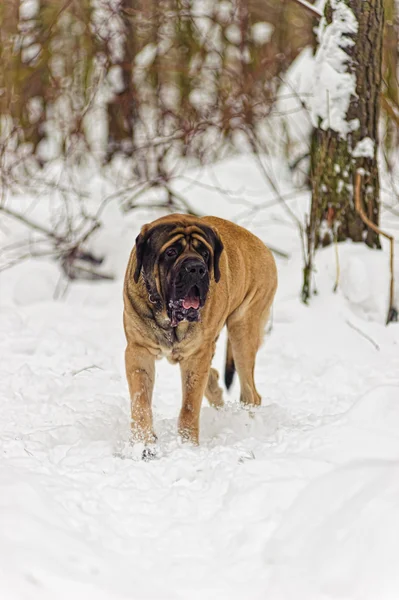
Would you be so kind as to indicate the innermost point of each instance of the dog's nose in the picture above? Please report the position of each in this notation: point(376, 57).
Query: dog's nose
point(194, 267)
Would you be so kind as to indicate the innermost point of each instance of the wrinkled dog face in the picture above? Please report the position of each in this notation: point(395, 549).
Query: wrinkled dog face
point(188, 278)
point(177, 262)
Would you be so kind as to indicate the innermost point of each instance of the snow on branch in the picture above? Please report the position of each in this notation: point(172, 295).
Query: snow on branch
point(335, 82)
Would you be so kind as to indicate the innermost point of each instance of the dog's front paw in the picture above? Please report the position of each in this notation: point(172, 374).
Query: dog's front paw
point(138, 451)
point(149, 453)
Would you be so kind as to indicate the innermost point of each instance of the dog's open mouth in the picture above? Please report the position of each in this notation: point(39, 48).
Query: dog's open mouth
point(192, 299)
point(186, 308)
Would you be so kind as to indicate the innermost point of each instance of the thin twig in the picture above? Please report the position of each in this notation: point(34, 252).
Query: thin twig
point(391, 109)
point(360, 332)
point(310, 8)
point(338, 270)
point(89, 368)
point(29, 223)
point(392, 310)
point(172, 194)
point(290, 212)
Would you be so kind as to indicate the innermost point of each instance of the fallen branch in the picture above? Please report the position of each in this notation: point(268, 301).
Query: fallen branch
point(70, 253)
point(392, 311)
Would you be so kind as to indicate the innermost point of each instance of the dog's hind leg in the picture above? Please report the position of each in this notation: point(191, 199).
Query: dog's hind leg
point(245, 334)
point(213, 392)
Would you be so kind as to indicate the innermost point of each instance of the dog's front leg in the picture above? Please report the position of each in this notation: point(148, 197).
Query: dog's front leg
point(140, 373)
point(194, 374)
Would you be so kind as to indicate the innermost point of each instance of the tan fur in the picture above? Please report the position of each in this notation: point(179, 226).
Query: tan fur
point(241, 300)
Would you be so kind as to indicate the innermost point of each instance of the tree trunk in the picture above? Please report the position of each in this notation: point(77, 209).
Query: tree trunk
point(390, 77)
point(122, 108)
point(338, 154)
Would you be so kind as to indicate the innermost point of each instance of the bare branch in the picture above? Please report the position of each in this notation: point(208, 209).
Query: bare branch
point(29, 223)
point(360, 332)
point(315, 12)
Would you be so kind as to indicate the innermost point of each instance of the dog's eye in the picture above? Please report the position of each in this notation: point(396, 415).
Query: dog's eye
point(205, 254)
point(171, 252)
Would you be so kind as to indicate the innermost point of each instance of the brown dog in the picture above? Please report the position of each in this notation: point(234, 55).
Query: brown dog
point(187, 277)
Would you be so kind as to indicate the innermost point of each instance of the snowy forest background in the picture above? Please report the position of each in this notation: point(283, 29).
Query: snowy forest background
point(138, 93)
point(282, 116)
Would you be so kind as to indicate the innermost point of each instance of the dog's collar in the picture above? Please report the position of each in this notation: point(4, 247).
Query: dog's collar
point(153, 296)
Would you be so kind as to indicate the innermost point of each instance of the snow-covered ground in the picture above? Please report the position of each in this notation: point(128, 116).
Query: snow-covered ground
point(298, 499)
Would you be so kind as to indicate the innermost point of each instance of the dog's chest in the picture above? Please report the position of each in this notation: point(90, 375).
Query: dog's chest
point(174, 356)
point(174, 344)
point(174, 353)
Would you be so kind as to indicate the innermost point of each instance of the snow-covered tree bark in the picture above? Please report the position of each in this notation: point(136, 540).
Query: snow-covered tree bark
point(345, 111)
point(390, 64)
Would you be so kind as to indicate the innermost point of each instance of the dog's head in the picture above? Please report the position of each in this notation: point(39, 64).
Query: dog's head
point(178, 256)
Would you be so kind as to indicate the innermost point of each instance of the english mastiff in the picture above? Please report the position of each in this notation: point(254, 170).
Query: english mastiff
point(186, 278)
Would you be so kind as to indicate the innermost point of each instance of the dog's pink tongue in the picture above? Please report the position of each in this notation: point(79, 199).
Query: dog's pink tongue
point(191, 301)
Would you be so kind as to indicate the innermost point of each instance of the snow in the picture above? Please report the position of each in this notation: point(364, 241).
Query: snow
point(334, 84)
point(28, 9)
point(262, 32)
point(233, 34)
point(295, 499)
point(146, 57)
point(293, 102)
point(365, 148)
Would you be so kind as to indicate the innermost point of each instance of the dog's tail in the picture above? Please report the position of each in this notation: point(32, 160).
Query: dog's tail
point(230, 367)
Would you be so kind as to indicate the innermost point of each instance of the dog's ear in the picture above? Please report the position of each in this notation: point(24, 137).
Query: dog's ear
point(146, 254)
point(217, 245)
point(218, 249)
point(141, 241)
